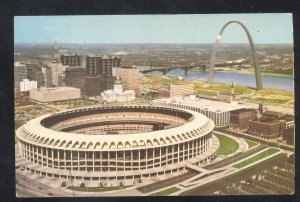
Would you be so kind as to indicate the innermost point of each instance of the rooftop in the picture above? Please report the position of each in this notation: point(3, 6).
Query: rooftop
point(102, 56)
point(19, 64)
point(215, 106)
point(62, 88)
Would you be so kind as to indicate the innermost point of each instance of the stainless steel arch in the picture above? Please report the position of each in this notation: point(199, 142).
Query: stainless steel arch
point(255, 61)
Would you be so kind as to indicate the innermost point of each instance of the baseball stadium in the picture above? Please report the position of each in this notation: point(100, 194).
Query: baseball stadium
point(116, 142)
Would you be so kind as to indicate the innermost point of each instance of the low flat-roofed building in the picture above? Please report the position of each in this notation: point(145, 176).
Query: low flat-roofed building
point(171, 90)
point(274, 125)
point(54, 94)
point(218, 111)
point(266, 127)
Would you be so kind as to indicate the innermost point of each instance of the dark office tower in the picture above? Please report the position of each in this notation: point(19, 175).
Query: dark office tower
point(75, 77)
point(71, 60)
point(93, 87)
point(47, 72)
point(101, 65)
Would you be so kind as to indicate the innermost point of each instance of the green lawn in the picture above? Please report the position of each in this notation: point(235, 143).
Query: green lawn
point(267, 96)
point(257, 157)
point(165, 192)
point(95, 189)
point(156, 81)
point(227, 145)
point(251, 143)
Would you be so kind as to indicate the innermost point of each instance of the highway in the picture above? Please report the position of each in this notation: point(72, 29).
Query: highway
point(27, 187)
point(256, 139)
point(165, 183)
point(235, 158)
point(223, 182)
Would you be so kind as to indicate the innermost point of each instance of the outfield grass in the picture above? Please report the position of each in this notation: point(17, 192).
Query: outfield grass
point(165, 192)
point(257, 157)
point(95, 189)
point(251, 143)
point(227, 145)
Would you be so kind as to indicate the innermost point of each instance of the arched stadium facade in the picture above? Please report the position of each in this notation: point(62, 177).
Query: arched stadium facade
point(117, 142)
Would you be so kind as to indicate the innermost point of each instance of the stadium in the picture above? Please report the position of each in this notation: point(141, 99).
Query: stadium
point(116, 142)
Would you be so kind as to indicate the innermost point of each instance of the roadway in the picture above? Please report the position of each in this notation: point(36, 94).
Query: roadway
point(256, 139)
point(165, 183)
point(223, 182)
point(235, 158)
point(26, 187)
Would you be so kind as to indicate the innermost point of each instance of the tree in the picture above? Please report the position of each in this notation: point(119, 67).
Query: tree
point(82, 185)
point(63, 184)
point(101, 185)
point(121, 184)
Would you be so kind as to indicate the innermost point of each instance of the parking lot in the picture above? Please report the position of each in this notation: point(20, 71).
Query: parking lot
point(25, 114)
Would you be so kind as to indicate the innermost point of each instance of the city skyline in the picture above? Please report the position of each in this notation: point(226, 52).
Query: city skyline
point(139, 28)
point(151, 118)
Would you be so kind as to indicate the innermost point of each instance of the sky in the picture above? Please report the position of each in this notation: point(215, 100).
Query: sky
point(200, 28)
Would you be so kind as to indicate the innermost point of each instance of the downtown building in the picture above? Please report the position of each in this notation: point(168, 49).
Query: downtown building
point(217, 111)
point(273, 125)
point(54, 94)
point(75, 77)
point(71, 60)
point(47, 73)
point(117, 94)
point(130, 78)
point(239, 119)
point(99, 74)
point(34, 72)
point(20, 73)
point(57, 70)
point(26, 85)
point(171, 90)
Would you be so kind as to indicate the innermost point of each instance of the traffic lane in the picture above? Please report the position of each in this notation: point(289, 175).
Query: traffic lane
point(39, 188)
point(165, 183)
point(221, 183)
point(234, 158)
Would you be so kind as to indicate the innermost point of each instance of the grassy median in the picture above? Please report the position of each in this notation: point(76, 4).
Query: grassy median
point(257, 157)
point(251, 143)
point(165, 192)
point(227, 145)
point(95, 189)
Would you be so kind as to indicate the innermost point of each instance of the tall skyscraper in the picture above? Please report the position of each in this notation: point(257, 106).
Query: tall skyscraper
point(75, 77)
point(20, 73)
point(101, 65)
point(99, 74)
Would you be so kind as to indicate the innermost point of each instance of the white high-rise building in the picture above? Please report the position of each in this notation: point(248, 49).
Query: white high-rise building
point(27, 85)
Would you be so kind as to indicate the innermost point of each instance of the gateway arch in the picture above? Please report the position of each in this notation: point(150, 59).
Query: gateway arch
point(255, 61)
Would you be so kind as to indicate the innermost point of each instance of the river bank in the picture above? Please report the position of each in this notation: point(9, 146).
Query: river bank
point(275, 97)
